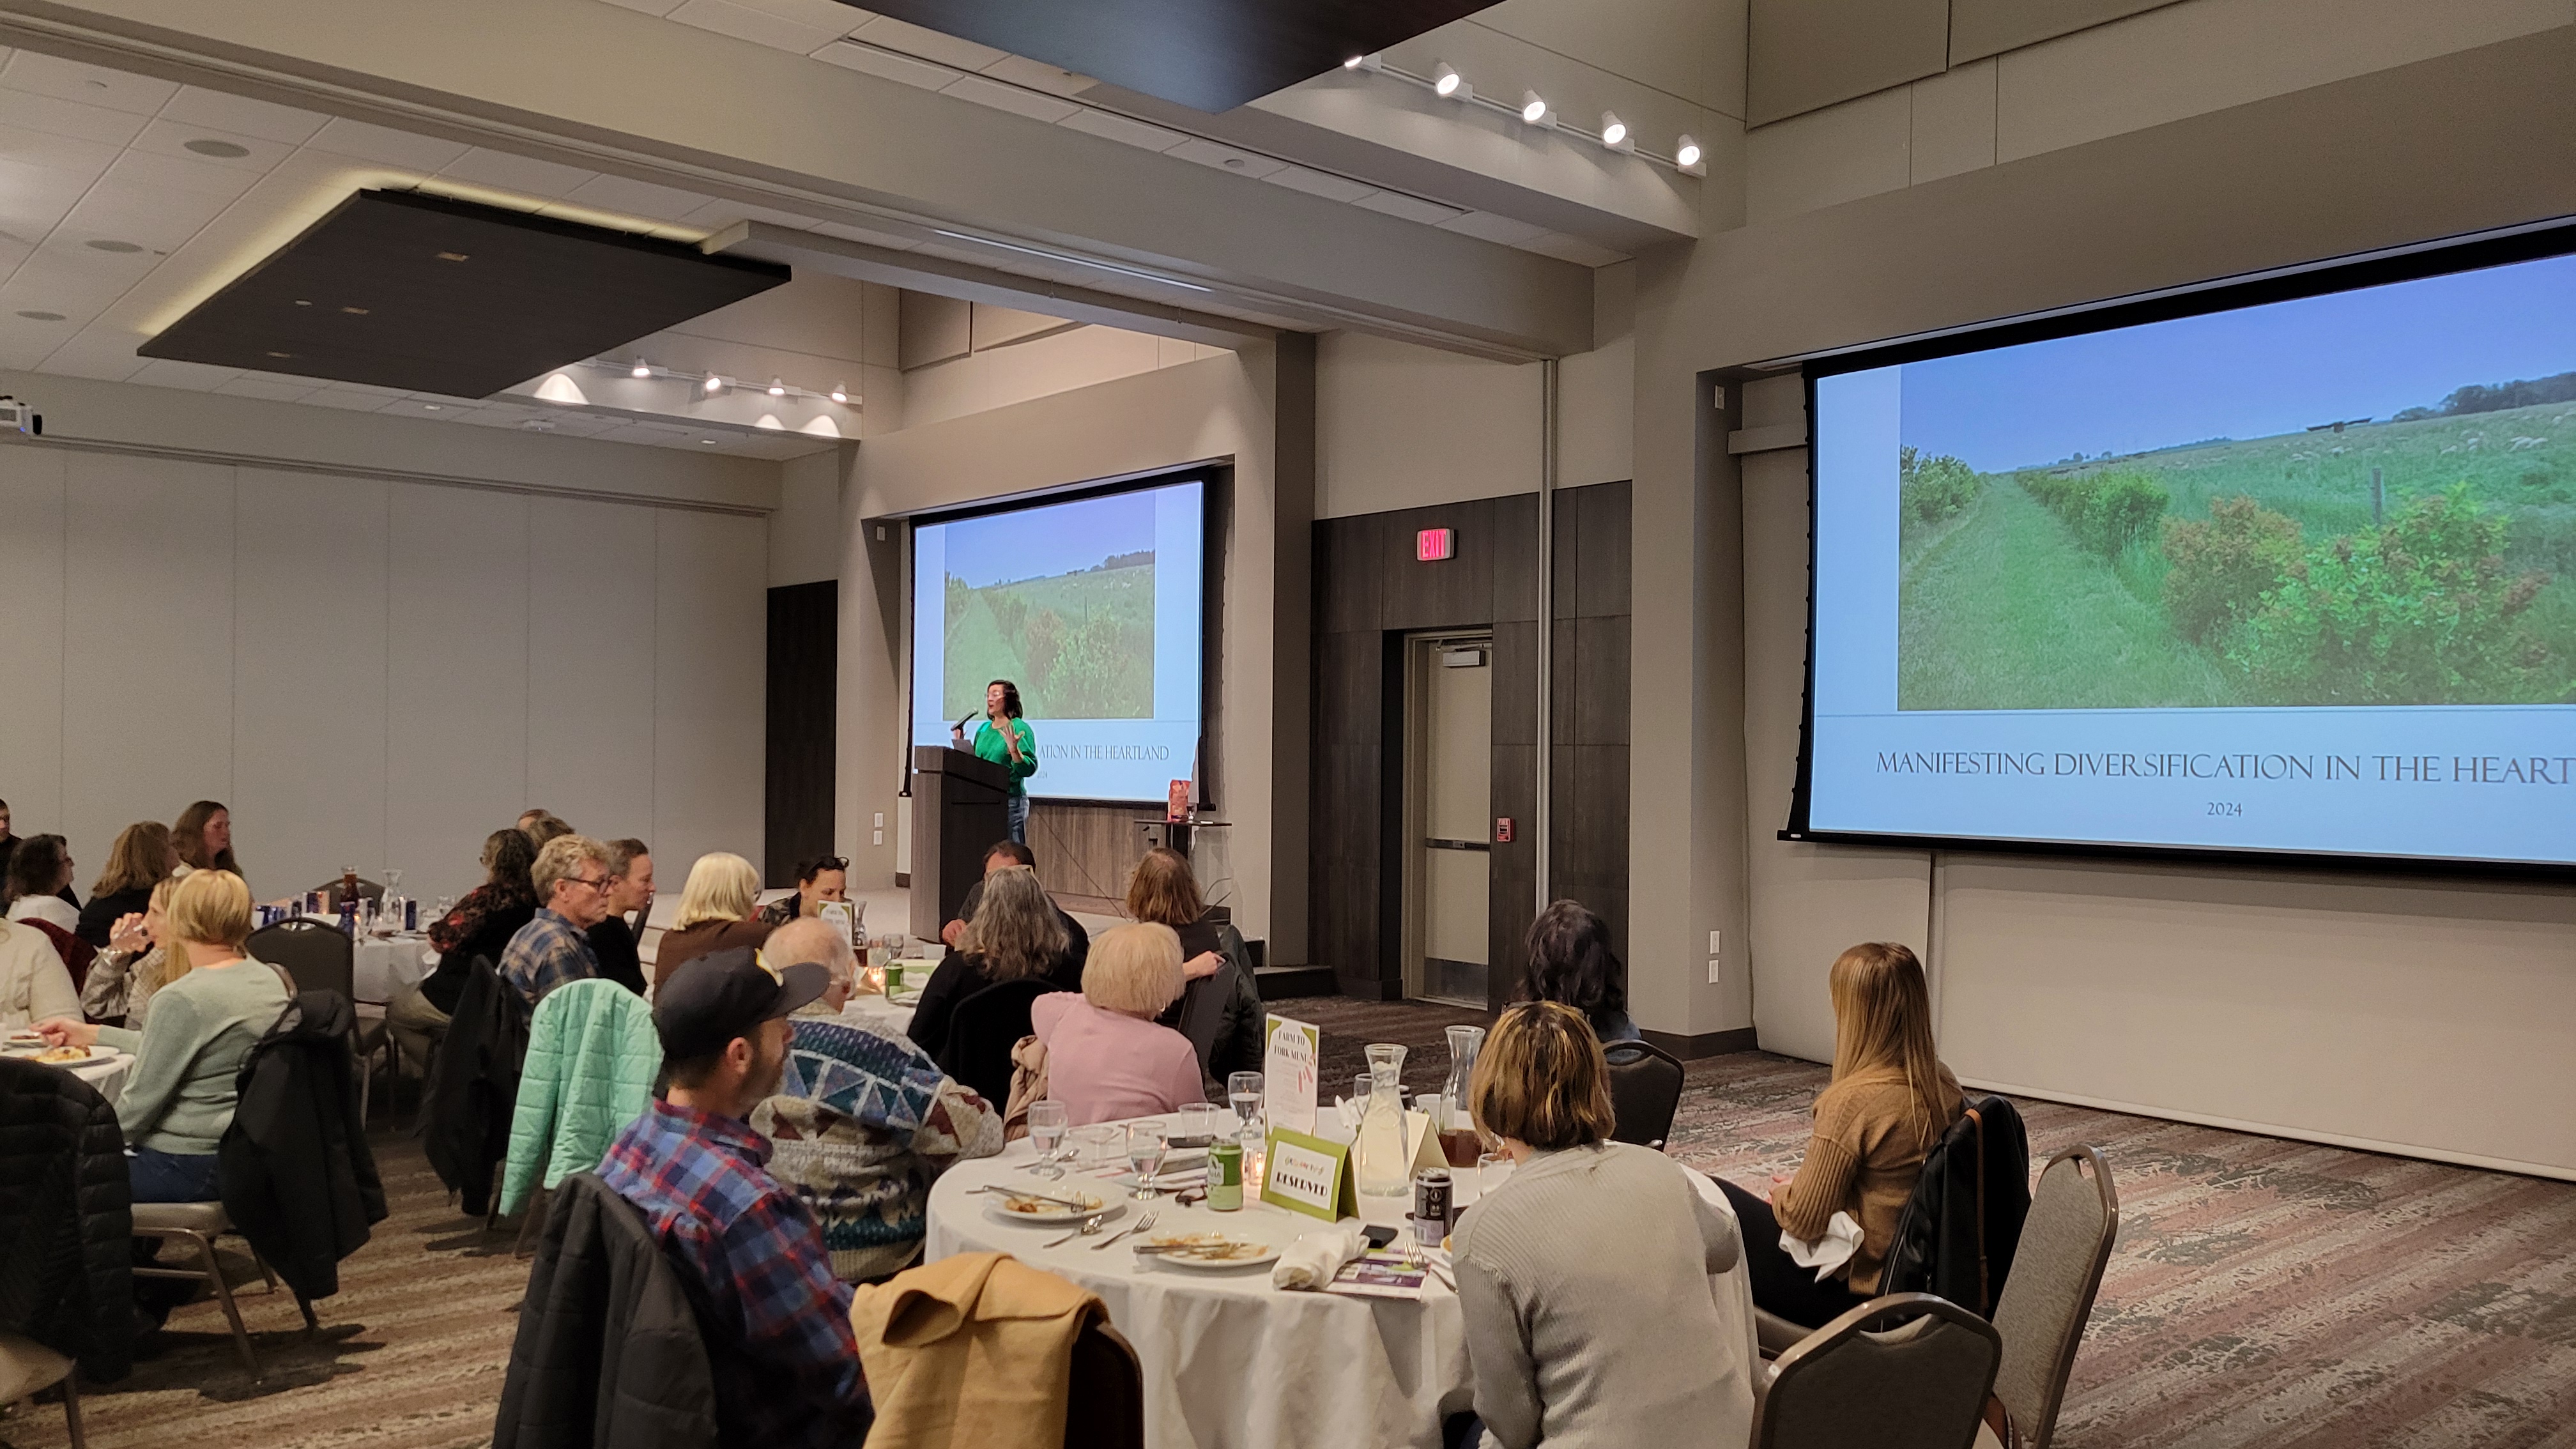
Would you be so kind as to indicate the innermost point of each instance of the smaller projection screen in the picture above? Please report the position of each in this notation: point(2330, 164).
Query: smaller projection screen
point(1094, 607)
point(2286, 567)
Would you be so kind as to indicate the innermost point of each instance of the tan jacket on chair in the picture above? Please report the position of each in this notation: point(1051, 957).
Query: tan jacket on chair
point(972, 1351)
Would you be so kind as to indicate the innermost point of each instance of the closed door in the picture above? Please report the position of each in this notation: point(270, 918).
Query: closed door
point(1449, 770)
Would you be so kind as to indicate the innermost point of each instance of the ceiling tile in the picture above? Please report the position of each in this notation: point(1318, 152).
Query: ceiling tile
point(1120, 128)
point(23, 350)
point(847, 232)
point(159, 220)
point(929, 44)
point(648, 433)
point(194, 376)
point(74, 120)
point(1225, 158)
point(385, 146)
point(1319, 183)
point(97, 352)
point(889, 64)
point(1411, 208)
point(412, 407)
point(196, 106)
point(636, 198)
point(649, 7)
point(760, 27)
point(1037, 75)
point(94, 85)
point(723, 213)
point(830, 15)
point(343, 398)
point(153, 174)
point(1510, 231)
point(1000, 97)
point(523, 174)
point(1571, 249)
point(187, 142)
point(268, 388)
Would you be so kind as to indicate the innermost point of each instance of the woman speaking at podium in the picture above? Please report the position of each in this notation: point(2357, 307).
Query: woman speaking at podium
point(1005, 739)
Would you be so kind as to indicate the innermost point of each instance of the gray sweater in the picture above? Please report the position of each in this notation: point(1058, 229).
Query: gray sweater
point(1590, 1322)
point(203, 1025)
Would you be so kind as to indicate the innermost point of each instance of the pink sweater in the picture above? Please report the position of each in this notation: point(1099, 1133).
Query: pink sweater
point(1106, 1066)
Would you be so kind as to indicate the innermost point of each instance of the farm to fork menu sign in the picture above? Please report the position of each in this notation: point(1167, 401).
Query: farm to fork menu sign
point(1288, 1067)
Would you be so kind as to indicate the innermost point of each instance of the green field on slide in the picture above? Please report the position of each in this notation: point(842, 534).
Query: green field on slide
point(1079, 645)
point(2004, 606)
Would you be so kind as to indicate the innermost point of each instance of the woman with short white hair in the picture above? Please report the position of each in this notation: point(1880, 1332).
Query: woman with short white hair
point(716, 914)
point(1107, 1059)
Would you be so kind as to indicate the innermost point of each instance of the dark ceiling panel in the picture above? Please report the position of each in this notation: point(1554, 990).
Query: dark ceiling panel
point(1212, 55)
point(430, 294)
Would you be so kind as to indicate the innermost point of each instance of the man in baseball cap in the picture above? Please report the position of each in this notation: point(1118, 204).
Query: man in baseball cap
point(698, 1173)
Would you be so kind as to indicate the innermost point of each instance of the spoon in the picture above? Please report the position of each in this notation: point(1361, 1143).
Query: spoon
point(1138, 1226)
point(1090, 1225)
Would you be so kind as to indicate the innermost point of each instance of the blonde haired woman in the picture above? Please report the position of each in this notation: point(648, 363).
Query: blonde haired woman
point(1107, 1060)
point(1889, 1101)
point(716, 913)
point(1583, 1280)
point(1016, 934)
point(186, 1059)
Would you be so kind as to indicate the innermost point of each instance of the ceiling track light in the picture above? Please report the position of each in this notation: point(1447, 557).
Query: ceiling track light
point(1615, 135)
point(1373, 61)
point(713, 384)
point(777, 387)
point(1446, 80)
point(840, 392)
point(1687, 156)
point(1535, 112)
point(642, 368)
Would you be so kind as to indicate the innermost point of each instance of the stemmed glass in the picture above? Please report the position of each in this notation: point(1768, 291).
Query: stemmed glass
point(1146, 1144)
point(1047, 1122)
point(1243, 1090)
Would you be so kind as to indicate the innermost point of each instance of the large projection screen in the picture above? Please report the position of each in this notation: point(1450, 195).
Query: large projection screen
point(2286, 567)
point(1094, 607)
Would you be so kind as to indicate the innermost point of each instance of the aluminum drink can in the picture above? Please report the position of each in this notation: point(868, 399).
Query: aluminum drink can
point(1225, 1176)
point(1433, 1213)
point(411, 914)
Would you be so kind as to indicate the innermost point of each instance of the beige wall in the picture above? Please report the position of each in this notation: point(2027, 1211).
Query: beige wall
point(2423, 1015)
point(1018, 371)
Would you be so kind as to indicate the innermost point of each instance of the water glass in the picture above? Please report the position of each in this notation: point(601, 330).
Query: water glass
point(1243, 1093)
point(1046, 1131)
point(1146, 1144)
point(1099, 1144)
point(1493, 1169)
point(1199, 1124)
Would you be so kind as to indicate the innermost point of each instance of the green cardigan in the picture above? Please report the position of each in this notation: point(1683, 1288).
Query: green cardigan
point(989, 745)
point(592, 1057)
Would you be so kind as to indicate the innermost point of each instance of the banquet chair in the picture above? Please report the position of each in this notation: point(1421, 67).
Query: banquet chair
point(980, 1036)
point(28, 1368)
point(367, 891)
point(197, 1225)
point(1645, 1092)
point(1105, 1404)
point(1920, 1384)
point(320, 958)
point(2065, 1244)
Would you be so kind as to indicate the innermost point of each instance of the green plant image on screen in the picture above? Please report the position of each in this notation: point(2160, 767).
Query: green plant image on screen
point(1080, 644)
point(2425, 559)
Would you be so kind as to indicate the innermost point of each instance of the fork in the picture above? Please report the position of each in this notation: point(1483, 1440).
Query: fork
point(1138, 1226)
point(1089, 1226)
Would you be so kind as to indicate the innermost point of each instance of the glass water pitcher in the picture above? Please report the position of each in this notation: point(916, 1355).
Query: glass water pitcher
point(1382, 1168)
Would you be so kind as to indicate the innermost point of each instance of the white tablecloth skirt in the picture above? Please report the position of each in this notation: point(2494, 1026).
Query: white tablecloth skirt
point(382, 967)
point(106, 1074)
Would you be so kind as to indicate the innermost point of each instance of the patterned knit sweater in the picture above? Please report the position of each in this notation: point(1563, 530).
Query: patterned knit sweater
point(862, 1124)
point(1868, 1149)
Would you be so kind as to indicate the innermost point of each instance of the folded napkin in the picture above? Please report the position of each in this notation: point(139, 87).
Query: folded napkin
point(1314, 1258)
point(1826, 1254)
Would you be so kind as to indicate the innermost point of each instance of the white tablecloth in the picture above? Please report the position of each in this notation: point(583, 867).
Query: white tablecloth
point(877, 1014)
point(1233, 1363)
point(106, 1074)
point(382, 966)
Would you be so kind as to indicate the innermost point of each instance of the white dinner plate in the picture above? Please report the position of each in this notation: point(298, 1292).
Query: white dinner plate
point(1262, 1256)
point(1049, 1215)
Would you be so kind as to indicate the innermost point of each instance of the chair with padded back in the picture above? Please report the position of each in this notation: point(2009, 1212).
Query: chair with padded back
point(197, 1225)
point(28, 1368)
point(1921, 1384)
point(983, 1031)
point(1105, 1405)
point(321, 958)
point(2065, 1245)
point(1645, 1092)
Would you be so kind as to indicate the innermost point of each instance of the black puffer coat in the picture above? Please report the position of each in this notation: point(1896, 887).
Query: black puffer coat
point(298, 1180)
point(66, 1228)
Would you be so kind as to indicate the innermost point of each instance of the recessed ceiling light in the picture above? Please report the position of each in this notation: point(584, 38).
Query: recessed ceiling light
point(1354, 62)
point(34, 316)
point(777, 387)
point(643, 368)
point(710, 442)
point(208, 146)
point(300, 302)
point(429, 407)
point(281, 354)
point(451, 256)
point(1446, 80)
point(105, 245)
point(355, 311)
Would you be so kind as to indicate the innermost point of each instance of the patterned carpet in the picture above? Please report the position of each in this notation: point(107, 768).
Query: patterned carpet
point(2265, 1294)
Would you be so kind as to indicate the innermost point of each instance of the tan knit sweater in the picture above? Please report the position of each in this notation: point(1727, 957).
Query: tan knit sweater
point(1866, 1153)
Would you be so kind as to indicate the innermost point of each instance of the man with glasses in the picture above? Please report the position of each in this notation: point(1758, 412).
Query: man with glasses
point(572, 880)
point(824, 878)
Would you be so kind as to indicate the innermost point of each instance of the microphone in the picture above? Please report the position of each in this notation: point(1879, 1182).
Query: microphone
point(961, 721)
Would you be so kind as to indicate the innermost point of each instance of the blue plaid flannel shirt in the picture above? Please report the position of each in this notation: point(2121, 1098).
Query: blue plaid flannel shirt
point(546, 953)
point(702, 1183)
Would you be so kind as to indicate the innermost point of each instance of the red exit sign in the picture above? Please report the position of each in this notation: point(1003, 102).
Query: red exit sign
point(1433, 544)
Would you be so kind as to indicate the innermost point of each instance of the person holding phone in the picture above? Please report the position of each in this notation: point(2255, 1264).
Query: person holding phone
point(1005, 739)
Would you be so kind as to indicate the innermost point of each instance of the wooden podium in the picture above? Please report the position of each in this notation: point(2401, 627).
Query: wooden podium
point(960, 806)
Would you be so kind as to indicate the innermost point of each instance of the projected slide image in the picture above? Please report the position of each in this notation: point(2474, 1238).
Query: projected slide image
point(2371, 500)
point(1061, 602)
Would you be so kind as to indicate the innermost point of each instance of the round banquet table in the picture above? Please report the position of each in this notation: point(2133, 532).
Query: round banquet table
point(878, 1014)
point(1231, 1362)
point(106, 1073)
point(380, 967)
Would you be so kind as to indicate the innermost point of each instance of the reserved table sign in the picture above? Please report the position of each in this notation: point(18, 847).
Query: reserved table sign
point(1309, 1175)
point(1288, 1064)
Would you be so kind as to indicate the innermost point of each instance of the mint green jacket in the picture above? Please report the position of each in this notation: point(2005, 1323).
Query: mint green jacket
point(592, 1057)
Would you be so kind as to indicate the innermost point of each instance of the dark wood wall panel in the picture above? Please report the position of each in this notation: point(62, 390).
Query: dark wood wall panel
point(803, 695)
point(1369, 592)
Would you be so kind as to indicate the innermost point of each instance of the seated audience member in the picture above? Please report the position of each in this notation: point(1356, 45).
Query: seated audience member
point(1164, 892)
point(542, 826)
point(1106, 1058)
point(203, 836)
point(715, 914)
point(630, 891)
point(34, 986)
point(39, 875)
point(8, 840)
point(1889, 1101)
point(188, 1057)
point(1584, 1281)
point(135, 964)
point(864, 1121)
point(785, 1362)
point(824, 878)
point(1004, 855)
point(1016, 934)
point(571, 877)
point(1570, 960)
point(480, 925)
point(140, 859)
